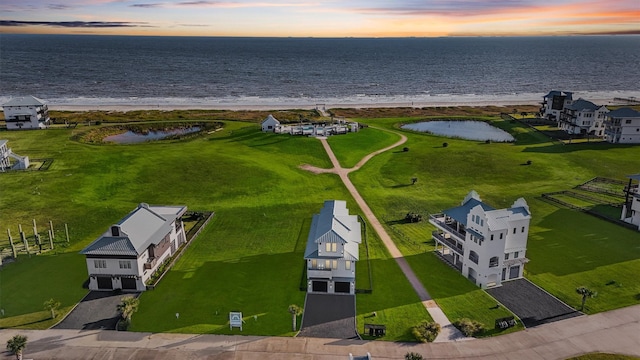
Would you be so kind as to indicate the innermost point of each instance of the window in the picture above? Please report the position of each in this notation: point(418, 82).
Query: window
point(628, 121)
point(514, 230)
point(314, 264)
point(327, 264)
point(491, 237)
point(335, 264)
point(523, 229)
point(100, 264)
point(473, 256)
point(327, 247)
point(347, 265)
point(331, 247)
point(501, 236)
point(493, 262)
point(125, 264)
point(515, 254)
point(506, 256)
point(481, 222)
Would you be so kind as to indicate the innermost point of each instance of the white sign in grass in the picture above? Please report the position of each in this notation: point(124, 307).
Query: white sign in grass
point(235, 320)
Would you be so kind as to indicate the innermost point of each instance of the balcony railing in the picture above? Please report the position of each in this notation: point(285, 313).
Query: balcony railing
point(151, 262)
point(319, 273)
point(450, 243)
point(439, 221)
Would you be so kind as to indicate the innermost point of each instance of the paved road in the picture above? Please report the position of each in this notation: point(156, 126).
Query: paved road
point(615, 331)
point(448, 332)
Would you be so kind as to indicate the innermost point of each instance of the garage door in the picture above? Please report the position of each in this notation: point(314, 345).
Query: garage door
point(129, 284)
point(514, 272)
point(104, 283)
point(343, 287)
point(319, 286)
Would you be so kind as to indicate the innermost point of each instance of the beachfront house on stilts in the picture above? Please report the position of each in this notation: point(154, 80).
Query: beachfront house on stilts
point(487, 245)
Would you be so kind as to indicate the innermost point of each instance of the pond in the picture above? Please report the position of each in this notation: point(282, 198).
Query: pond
point(467, 129)
point(131, 137)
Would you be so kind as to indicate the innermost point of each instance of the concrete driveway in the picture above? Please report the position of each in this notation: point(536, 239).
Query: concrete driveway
point(98, 310)
point(329, 316)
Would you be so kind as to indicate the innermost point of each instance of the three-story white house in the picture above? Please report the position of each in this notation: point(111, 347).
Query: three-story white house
point(27, 112)
point(487, 245)
point(332, 249)
point(583, 117)
point(622, 126)
point(127, 254)
point(553, 103)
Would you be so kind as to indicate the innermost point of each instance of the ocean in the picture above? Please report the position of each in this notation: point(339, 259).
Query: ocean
point(132, 70)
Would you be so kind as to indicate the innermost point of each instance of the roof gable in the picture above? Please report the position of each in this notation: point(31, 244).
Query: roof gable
point(334, 225)
point(624, 113)
point(582, 105)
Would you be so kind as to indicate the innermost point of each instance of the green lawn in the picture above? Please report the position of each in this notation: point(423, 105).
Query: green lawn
point(249, 258)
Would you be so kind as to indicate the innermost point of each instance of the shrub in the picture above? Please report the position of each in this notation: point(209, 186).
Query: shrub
point(426, 331)
point(412, 356)
point(469, 327)
point(405, 149)
point(529, 162)
point(123, 325)
point(445, 144)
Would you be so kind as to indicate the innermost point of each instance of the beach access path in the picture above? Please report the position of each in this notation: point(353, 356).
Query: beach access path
point(448, 332)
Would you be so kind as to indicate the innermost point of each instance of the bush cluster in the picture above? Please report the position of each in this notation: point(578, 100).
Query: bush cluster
point(469, 327)
point(426, 331)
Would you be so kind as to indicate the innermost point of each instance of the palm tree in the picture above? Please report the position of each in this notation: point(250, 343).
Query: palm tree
point(16, 345)
point(52, 305)
point(586, 293)
point(128, 306)
point(295, 310)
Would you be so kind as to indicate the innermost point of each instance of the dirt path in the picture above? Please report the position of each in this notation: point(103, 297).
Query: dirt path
point(448, 331)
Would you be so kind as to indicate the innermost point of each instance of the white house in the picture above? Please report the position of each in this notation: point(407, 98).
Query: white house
point(269, 124)
point(127, 254)
point(553, 103)
point(21, 162)
point(486, 245)
point(26, 113)
point(583, 117)
point(622, 126)
point(631, 207)
point(332, 249)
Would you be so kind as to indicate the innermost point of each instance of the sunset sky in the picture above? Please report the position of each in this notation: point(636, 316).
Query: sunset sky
point(321, 18)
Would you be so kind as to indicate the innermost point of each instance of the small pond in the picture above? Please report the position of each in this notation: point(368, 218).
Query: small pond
point(131, 137)
point(467, 129)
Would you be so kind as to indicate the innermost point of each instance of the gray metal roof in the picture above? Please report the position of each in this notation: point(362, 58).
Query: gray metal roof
point(624, 113)
point(553, 93)
point(460, 213)
point(142, 227)
point(334, 225)
point(25, 101)
point(582, 104)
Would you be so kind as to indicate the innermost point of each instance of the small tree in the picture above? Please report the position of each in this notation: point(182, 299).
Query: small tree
point(469, 327)
point(414, 180)
point(586, 293)
point(127, 307)
point(16, 345)
point(52, 305)
point(295, 311)
point(412, 356)
point(445, 144)
point(426, 331)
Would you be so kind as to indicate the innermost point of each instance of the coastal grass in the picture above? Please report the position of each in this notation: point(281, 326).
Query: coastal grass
point(567, 248)
point(249, 258)
point(349, 150)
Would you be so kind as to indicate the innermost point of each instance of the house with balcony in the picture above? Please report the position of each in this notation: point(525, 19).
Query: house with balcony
point(622, 126)
point(488, 246)
point(11, 161)
point(583, 117)
point(126, 255)
point(631, 207)
point(553, 103)
point(26, 112)
point(332, 250)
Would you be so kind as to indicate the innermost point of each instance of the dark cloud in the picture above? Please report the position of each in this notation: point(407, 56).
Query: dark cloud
point(147, 6)
point(198, 3)
point(58, 7)
point(72, 24)
point(447, 7)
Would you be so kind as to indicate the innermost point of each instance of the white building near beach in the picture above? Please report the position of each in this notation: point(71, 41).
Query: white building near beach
point(488, 246)
point(26, 112)
point(333, 249)
point(128, 254)
point(622, 126)
point(269, 124)
point(553, 103)
point(583, 117)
